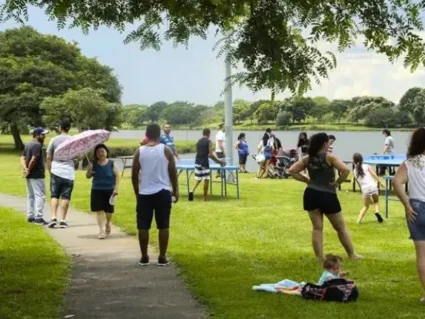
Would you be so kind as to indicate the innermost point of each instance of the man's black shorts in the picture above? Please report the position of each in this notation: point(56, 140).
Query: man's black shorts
point(160, 203)
point(327, 203)
point(61, 187)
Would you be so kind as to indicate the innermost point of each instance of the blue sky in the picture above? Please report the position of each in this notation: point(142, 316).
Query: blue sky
point(195, 74)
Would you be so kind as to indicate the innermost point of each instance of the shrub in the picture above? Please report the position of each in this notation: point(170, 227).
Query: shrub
point(283, 118)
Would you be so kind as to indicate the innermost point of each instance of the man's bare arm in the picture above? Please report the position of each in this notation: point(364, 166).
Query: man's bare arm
point(135, 170)
point(172, 170)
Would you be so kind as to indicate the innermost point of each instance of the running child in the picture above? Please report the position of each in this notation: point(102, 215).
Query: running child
point(367, 180)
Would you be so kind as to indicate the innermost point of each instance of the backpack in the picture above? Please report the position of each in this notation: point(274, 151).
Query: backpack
point(341, 290)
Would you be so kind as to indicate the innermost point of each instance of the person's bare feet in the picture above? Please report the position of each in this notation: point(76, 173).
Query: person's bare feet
point(356, 257)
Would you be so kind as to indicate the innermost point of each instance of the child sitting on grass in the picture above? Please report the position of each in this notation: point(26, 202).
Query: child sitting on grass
point(332, 265)
point(367, 180)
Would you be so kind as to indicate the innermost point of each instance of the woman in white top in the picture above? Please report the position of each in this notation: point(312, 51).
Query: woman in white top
point(367, 180)
point(412, 171)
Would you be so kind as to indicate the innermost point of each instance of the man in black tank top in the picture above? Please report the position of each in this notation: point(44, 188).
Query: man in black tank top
point(204, 151)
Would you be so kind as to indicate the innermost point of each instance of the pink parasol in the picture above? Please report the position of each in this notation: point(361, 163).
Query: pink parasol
point(80, 144)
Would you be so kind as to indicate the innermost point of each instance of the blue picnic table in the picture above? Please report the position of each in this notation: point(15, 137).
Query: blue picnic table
point(229, 174)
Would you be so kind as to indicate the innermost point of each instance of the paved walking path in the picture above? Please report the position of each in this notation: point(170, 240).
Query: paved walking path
point(106, 281)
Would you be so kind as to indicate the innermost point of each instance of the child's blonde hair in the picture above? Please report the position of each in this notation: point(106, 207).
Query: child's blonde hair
point(331, 261)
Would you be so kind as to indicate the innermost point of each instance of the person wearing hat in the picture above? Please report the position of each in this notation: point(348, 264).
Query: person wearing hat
point(62, 175)
point(219, 144)
point(32, 162)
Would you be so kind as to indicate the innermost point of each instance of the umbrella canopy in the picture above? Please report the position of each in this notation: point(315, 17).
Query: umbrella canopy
point(80, 144)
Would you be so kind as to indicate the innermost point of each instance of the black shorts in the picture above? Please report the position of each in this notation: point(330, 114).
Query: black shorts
point(327, 203)
point(61, 187)
point(220, 154)
point(242, 159)
point(99, 200)
point(160, 203)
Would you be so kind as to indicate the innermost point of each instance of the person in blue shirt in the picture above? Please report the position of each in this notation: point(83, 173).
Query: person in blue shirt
point(104, 188)
point(168, 140)
point(243, 152)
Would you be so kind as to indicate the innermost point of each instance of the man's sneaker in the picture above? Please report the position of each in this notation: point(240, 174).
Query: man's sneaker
point(144, 261)
point(191, 196)
point(30, 219)
point(40, 221)
point(53, 223)
point(162, 261)
point(63, 224)
point(379, 217)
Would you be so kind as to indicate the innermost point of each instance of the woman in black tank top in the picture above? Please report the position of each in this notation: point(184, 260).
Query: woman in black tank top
point(320, 196)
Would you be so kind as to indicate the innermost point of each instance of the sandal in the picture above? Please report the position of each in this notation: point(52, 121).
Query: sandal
point(108, 229)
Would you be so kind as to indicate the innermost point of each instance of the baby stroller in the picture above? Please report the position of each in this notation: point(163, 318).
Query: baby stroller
point(285, 159)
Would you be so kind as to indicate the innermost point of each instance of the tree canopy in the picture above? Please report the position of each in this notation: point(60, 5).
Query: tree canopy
point(274, 40)
point(34, 66)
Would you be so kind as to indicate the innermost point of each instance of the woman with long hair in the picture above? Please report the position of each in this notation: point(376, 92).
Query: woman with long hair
point(320, 196)
point(104, 188)
point(367, 180)
point(302, 144)
point(412, 172)
point(267, 143)
point(242, 147)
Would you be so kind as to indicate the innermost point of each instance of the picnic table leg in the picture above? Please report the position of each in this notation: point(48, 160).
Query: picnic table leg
point(222, 181)
point(386, 197)
point(124, 164)
point(225, 184)
point(211, 183)
point(237, 184)
point(187, 181)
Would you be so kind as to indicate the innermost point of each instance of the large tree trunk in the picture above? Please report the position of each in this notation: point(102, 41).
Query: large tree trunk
point(19, 145)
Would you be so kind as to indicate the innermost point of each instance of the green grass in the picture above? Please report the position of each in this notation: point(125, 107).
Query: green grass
point(33, 270)
point(224, 247)
point(183, 147)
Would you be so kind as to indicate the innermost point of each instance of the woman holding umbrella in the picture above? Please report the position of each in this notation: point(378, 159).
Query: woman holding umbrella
point(104, 188)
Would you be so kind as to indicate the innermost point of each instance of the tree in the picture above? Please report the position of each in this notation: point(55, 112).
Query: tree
point(299, 107)
point(240, 109)
point(154, 111)
point(134, 114)
point(35, 66)
point(266, 112)
point(274, 40)
point(86, 109)
point(380, 117)
point(418, 108)
point(411, 103)
point(339, 108)
point(320, 108)
point(181, 113)
point(407, 100)
point(283, 118)
point(363, 105)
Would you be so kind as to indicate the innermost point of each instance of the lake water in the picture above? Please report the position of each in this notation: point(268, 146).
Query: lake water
point(346, 143)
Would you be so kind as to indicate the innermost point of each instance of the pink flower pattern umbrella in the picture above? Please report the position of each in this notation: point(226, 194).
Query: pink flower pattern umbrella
point(80, 144)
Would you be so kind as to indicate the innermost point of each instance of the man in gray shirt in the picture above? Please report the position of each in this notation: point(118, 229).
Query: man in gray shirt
point(62, 176)
point(32, 162)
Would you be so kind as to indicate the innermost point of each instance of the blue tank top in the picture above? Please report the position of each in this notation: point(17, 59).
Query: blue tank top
point(103, 176)
point(243, 148)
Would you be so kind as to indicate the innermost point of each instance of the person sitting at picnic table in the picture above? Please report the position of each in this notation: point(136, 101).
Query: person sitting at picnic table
point(204, 151)
point(104, 188)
